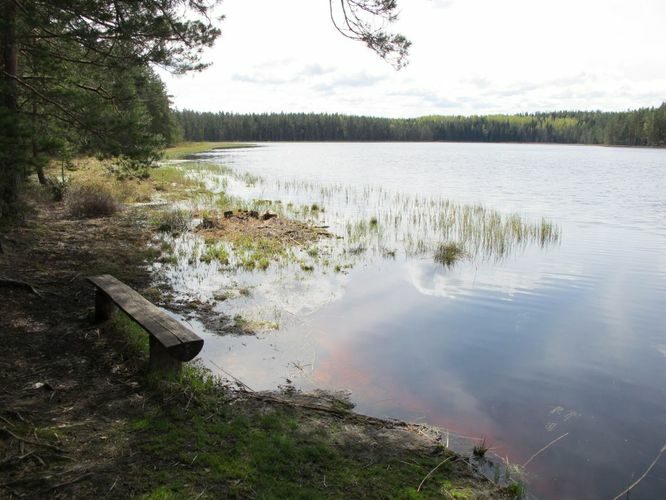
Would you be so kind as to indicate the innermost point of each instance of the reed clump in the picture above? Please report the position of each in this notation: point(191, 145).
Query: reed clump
point(448, 254)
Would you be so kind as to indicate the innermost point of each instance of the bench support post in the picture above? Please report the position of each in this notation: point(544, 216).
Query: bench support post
point(104, 307)
point(160, 359)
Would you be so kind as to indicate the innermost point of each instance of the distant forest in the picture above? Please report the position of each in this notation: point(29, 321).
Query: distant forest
point(642, 127)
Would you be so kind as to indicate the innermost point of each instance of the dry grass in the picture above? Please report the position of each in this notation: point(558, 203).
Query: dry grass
point(91, 200)
point(91, 171)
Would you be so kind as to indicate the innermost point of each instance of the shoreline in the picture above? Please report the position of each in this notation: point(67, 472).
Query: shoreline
point(324, 446)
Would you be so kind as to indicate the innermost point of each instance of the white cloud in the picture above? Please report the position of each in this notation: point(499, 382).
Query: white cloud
point(472, 57)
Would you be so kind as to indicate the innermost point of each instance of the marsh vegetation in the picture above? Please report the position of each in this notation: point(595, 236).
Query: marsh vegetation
point(227, 229)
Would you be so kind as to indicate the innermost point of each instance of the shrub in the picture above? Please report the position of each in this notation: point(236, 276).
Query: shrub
point(57, 187)
point(91, 200)
point(448, 254)
point(173, 221)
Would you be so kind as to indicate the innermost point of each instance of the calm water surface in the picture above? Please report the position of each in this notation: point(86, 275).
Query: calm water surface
point(563, 339)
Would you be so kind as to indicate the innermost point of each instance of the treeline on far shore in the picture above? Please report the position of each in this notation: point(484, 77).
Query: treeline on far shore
point(641, 127)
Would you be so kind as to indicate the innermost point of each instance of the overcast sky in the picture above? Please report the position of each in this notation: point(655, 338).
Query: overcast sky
point(468, 57)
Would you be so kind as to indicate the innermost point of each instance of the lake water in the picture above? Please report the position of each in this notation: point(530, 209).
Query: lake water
point(523, 341)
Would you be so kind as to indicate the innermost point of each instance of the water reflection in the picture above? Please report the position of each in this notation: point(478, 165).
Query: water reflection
point(567, 339)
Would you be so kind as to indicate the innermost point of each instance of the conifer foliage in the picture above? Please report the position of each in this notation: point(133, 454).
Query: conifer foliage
point(77, 76)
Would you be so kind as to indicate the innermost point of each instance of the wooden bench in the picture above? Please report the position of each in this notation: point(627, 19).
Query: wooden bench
point(170, 342)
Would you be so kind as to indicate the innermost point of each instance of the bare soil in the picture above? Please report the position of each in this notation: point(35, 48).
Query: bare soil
point(64, 390)
point(255, 225)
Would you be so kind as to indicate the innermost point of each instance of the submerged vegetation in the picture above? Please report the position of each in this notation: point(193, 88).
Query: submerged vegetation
point(448, 254)
point(227, 230)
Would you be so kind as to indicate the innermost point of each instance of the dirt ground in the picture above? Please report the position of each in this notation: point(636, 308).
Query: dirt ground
point(63, 387)
point(243, 224)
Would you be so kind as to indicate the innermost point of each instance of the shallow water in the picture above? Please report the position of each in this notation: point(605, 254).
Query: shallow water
point(522, 341)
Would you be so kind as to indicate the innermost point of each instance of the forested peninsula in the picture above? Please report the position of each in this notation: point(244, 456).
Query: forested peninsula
point(641, 127)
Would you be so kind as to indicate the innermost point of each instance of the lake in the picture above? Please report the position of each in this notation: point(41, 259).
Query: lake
point(551, 327)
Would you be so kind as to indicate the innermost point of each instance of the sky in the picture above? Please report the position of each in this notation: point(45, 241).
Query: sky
point(468, 57)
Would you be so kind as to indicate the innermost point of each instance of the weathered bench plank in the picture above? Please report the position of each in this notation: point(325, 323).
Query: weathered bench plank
point(167, 334)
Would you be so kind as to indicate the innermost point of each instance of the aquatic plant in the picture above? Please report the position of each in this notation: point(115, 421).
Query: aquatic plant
point(448, 254)
point(480, 448)
point(215, 252)
point(172, 221)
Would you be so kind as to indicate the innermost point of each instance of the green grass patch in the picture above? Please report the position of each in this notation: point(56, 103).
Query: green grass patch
point(268, 454)
point(217, 253)
point(135, 338)
point(185, 149)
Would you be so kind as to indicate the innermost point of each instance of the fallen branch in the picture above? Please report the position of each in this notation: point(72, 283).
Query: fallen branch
point(635, 483)
point(433, 470)
point(8, 282)
point(30, 441)
point(544, 449)
point(69, 483)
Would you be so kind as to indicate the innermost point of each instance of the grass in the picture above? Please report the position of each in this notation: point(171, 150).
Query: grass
point(448, 254)
point(91, 200)
point(516, 490)
point(185, 149)
point(200, 446)
point(172, 221)
point(253, 326)
point(215, 253)
point(196, 444)
point(480, 448)
point(136, 341)
point(258, 252)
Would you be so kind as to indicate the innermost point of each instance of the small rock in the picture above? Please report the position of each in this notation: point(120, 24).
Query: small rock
point(42, 385)
point(207, 223)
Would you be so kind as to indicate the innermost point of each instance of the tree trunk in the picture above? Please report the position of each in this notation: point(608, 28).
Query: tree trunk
point(35, 160)
point(10, 175)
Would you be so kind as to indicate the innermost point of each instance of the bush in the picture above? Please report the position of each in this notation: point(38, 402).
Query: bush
point(91, 200)
point(448, 254)
point(173, 221)
point(57, 187)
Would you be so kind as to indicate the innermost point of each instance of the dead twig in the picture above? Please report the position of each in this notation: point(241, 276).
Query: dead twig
point(30, 441)
point(433, 470)
point(8, 282)
point(240, 382)
point(647, 471)
point(9, 460)
point(69, 483)
point(544, 449)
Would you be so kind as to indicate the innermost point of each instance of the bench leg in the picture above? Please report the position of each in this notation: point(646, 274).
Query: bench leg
point(161, 360)
point(104, 307)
